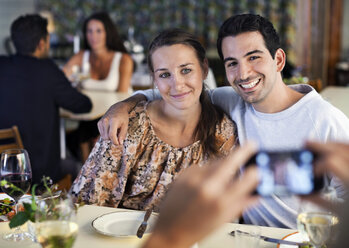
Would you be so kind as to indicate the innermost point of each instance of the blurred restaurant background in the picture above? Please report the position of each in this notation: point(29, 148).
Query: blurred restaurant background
point(314, 33)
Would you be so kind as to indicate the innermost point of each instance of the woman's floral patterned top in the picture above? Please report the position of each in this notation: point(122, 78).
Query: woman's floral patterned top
point(138, 173)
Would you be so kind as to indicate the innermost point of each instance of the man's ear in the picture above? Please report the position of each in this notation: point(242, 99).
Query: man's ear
point(39, 48)
point(280, 58)
point(41, 45)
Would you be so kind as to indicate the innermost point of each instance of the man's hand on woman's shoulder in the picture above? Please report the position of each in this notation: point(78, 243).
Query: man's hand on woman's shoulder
point(113, 125)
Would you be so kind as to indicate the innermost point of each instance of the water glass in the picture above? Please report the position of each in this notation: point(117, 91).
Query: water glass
point(318, 227)
point(55, 223)
point(80, 74)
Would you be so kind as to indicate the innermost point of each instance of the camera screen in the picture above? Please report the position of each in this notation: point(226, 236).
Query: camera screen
point(283, 173)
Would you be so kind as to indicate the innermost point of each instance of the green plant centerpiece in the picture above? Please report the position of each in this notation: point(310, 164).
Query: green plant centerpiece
point(29, 209)
point(53, 214)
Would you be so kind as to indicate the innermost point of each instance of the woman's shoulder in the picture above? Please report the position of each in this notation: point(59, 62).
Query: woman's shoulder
point(226, 127)
point(76, 58)
point(226, 135)
point(138, 115)
point(139, 125)
point(140, 107)
point(80, 54)
point(125, 57)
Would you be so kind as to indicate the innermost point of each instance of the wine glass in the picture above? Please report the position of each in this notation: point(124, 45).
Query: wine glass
point(55, 222)
point(15, 169)
point(80, 74)
point(317, 226)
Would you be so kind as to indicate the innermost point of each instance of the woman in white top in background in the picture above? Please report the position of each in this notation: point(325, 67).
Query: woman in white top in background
point(110, 68)
point(104, 54)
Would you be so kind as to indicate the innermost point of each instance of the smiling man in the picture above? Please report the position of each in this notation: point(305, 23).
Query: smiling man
point(265, 110)
point(250, 49)
point(254, 72)
point(268, 111)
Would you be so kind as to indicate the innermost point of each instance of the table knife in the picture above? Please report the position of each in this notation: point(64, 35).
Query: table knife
point(274, 240)
point(143, 226)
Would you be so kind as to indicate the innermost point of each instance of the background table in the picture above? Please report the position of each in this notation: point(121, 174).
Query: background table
point(101, 101)
point(338, 96)
point(89, 238)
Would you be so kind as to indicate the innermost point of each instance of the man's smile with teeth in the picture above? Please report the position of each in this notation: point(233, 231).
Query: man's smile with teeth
point(250, 84)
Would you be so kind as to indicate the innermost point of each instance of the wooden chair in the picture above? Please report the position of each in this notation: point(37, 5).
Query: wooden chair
point(65, 183)
point(10, 139)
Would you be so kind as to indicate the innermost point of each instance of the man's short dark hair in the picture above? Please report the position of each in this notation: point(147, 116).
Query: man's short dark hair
point(238, 24)
point(27, 31)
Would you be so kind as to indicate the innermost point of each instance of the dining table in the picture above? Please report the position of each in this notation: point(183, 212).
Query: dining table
point(101, 101)
point(338, 96)
point(88, 237)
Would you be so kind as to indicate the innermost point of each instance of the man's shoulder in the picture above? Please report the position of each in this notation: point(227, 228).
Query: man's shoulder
point(324, 112)
point(316, 103)
point(47, 68)
point(227, 99)
point(27, 61)
point(47, 62)
point(226, 93)
point(225, 90)
point(302, 88)
point(4, 59)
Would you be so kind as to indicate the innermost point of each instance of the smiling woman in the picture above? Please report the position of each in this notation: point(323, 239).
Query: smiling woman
point(104, 56)
point(164, 137)
point(103, 65)
point(178, 76)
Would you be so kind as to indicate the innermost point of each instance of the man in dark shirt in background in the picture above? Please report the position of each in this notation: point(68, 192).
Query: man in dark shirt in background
point(32, 89)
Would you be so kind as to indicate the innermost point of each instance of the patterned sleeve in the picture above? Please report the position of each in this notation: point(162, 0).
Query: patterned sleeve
point(103, 177)
point(227, 135)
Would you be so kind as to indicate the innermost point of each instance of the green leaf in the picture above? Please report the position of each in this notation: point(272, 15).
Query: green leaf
point(19, 219)
point(27, 207)
point(33, 204)
point(30, 210)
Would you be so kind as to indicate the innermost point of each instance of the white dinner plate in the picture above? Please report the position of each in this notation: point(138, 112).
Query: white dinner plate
point(122, 224)
point(296, 236)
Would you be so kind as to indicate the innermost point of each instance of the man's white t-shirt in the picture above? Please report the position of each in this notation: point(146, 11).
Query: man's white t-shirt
point(311, 118)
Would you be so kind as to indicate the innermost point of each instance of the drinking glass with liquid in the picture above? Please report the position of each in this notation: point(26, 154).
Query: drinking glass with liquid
point(317, 227)
point(55, 223)
point(15, 169)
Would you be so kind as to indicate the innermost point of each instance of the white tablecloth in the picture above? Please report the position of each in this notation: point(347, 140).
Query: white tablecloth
point(89, 238)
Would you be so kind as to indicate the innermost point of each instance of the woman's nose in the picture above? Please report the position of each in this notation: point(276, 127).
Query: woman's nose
point(178, 82)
